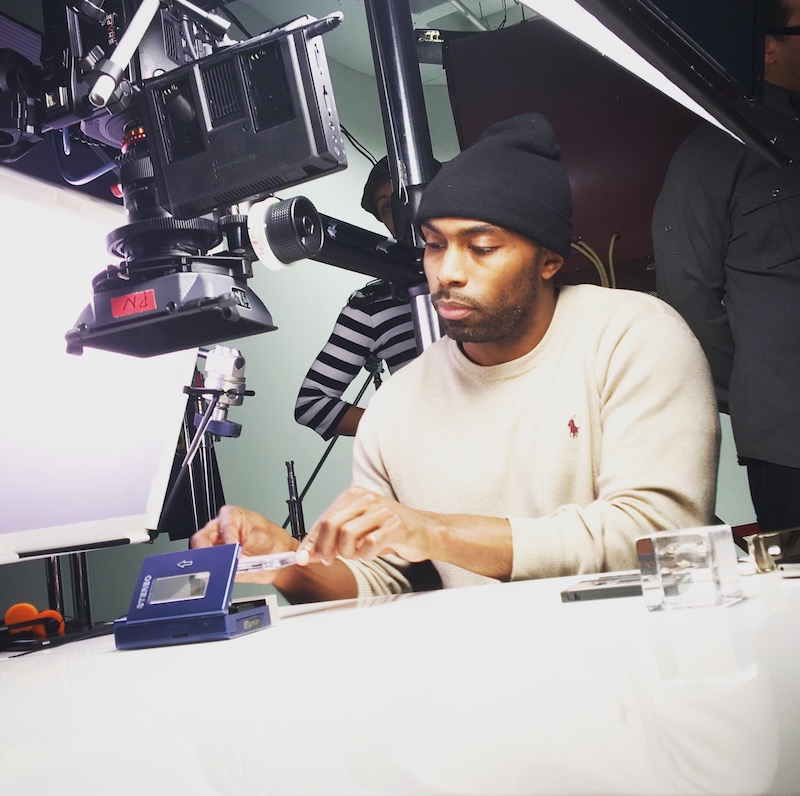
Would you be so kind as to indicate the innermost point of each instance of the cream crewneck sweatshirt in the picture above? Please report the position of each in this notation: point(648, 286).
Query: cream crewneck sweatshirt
point(606, 431)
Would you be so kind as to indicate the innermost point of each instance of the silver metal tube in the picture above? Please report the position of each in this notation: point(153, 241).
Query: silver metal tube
point(105, 84)
point(426, 321)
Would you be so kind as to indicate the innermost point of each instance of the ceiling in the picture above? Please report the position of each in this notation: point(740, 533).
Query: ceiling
point(349, 43)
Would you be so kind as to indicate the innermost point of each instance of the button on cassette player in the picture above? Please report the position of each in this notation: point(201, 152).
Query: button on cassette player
point(185, 597)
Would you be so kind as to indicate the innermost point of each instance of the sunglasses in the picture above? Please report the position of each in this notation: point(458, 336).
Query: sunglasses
point(794, 30)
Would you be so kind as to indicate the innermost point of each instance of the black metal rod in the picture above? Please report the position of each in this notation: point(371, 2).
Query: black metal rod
point(82, 609)
point(81, 600)
point(405, 121)
point(405, 127)
point(55, 584)
point(295, 504)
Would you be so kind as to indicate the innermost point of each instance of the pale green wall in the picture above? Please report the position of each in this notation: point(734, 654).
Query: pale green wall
point(734, 506)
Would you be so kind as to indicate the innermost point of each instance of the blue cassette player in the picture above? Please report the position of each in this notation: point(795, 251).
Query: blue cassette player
point(185, 597)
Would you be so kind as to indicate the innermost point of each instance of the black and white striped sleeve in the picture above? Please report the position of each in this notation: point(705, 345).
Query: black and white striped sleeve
point(382, 328)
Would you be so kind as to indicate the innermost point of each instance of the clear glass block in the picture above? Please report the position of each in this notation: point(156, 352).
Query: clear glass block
point(687, 569)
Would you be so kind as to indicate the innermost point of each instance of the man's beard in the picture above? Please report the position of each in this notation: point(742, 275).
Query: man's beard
point(506, 319)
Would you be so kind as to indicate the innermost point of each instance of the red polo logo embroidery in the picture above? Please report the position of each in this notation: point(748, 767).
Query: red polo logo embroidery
point(573, 429)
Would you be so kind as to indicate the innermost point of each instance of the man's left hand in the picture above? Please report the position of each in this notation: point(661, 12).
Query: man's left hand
point(364, 524)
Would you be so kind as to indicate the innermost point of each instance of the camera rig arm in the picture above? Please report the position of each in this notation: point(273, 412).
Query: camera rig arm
point(109, 71)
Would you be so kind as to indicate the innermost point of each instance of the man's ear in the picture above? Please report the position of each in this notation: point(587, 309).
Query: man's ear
point(551, 264)
point(770, 50)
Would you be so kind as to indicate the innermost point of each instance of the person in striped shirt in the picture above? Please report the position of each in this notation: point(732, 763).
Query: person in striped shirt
point(375, 324)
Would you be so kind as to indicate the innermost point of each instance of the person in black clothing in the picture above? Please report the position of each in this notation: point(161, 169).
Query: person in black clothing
point(726, 234)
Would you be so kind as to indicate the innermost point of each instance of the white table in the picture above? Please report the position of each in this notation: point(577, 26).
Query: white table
point(490, 690)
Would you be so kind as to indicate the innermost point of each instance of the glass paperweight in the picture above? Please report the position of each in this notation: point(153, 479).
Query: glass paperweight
point(691, 568)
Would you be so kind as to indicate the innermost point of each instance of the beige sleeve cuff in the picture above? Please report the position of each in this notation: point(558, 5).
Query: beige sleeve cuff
point(380, 576)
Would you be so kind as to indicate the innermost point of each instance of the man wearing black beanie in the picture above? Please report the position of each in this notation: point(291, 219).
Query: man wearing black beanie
point(541, 435)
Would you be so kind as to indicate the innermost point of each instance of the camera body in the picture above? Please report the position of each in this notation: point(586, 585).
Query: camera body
point(250, 119)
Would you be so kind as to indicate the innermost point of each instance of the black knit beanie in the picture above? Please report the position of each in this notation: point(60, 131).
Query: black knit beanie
point(511, 176)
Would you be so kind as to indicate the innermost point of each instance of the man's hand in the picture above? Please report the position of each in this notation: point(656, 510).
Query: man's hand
point(255, 533)
point(364, 524)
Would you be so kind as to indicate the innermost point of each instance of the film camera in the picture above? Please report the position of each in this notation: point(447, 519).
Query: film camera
point(195, 125)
